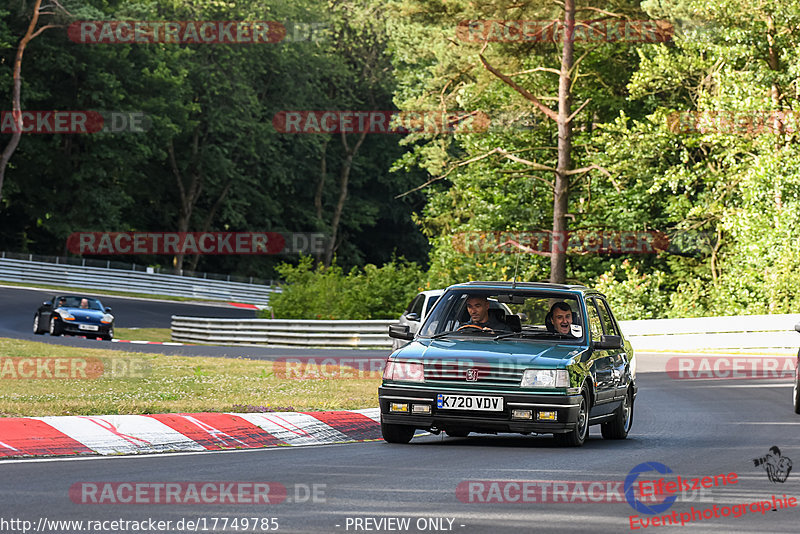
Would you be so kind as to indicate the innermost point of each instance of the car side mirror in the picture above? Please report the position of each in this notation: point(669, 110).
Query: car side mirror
point(108, 310)
point(400, 331)
point(608, 342)
point(412, 316)
point(47, 303)
point(797, 327)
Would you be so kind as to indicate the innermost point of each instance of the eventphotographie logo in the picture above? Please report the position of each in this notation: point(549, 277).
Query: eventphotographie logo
point(777, 466)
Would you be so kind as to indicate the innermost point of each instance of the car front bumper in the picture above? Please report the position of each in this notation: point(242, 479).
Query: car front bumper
point(566, 407)
point(72, 328)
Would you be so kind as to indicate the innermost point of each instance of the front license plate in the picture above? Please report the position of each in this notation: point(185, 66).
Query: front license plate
point(93, 328)
point(463, 402)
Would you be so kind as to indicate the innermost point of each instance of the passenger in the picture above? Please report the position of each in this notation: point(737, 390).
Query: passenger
point(478, 309)
point(85, 304)
point(561, 317)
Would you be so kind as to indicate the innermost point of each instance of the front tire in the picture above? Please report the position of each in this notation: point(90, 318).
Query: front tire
point(619, 427)
point(397, 433)
point(55, 328)
point(109, 336)
point(576, 437)
point(37, 328)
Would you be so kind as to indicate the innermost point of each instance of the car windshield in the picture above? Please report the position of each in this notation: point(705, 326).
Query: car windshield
point(519, 314)
point(75, 302)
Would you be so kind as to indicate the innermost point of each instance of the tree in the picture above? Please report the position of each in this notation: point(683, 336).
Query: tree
point(51, 10)
point(590, 73)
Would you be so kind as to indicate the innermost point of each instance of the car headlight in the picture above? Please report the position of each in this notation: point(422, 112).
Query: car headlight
point(66, 315)
point(107, 318)
point(545, 378)
point(404, 371)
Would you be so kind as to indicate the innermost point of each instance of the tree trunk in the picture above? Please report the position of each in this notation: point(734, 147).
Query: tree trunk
point(188, 195)
point(323, 171)
point(558, 258)
point(344, 178)
point(16, 103)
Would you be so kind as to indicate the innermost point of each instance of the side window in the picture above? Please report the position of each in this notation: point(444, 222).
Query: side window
point(416, 305)
point(431, 303)
point(605, 317)
point(595, 327)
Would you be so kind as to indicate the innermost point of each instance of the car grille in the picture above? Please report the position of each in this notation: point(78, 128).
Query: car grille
point(479, 374)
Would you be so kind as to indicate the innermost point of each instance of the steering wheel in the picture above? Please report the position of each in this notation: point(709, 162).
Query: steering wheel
point(481, 328)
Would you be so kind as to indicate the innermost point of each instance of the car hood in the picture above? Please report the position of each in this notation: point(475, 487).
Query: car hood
point(521, 353)
point(81, 313)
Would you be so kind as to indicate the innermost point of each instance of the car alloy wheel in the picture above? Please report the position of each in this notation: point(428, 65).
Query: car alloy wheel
point(36, 329)
point(576, 437)
point(54, 330)
point(620, 425)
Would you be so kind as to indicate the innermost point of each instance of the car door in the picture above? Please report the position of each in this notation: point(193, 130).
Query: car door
point(413, 315)
point(619, 358)
point(605, 385)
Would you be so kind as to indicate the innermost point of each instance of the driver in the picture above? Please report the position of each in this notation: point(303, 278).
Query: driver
point(561, 316)
point(478, 309)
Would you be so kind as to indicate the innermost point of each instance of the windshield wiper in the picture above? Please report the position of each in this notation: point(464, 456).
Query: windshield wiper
point(536, 334)
point(466, 331)
point(442, 334)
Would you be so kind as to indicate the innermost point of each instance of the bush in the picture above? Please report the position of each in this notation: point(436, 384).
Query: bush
point(316, 292)
point(634, 295)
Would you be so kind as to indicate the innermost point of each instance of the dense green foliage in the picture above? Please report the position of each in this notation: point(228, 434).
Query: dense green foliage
point(317, 292)
point(727, 194)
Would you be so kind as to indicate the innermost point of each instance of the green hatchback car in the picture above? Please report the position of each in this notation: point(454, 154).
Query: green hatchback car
point(556, 364)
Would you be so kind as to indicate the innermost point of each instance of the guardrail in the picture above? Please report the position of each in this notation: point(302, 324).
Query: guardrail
point(737, 332)
point(282, 332)
point(14, 270)
point(734, 332)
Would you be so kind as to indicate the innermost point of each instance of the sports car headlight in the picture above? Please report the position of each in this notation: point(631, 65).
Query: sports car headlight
point(107, 318)
point(545, 378)
point(66, 315)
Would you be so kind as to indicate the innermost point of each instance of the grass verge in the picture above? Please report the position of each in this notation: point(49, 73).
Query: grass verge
point(76, 381)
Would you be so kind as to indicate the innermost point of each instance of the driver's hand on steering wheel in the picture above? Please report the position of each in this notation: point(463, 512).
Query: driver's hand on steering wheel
point(481, 328)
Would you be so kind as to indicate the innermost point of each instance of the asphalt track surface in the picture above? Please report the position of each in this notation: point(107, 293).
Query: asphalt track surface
point(19, 305)
point(695, 427)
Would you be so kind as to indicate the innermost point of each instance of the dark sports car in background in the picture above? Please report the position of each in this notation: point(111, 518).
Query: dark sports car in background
point(74, 315)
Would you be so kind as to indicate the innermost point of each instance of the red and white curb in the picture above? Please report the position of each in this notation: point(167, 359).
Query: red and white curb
point(137, 434)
